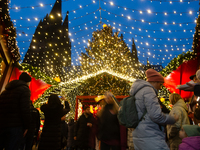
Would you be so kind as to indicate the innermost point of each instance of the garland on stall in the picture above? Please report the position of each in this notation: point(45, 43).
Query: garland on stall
point(176, 62)
point(8, 30)
point(36, 73)
point(196, 38)
point(173, 65)
point(105, 82)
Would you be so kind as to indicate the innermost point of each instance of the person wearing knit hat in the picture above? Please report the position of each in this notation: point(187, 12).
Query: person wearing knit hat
point(148, 133)
point(15, 112)
point(190, 135)
point(153, 75)
point(154, 78)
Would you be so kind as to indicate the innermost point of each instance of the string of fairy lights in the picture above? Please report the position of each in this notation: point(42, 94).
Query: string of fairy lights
point(111, 53)
point(79, 31)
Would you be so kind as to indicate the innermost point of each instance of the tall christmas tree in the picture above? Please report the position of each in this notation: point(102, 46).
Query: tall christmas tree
point(108, 51)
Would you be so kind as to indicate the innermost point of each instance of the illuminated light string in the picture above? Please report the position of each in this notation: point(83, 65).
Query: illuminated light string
point(166, 50)
point(174, 23)
point(146, 43)
point(37, 19)
point(91, 21)
point(142, 43)
point(146, 48)
point(136, 35)
point(109, 71)
point(149, 11)
point(70, 33)
point(149, 22)
point(149, 53)
point(42, 5)
point(86, 28)
point(114, 23)
point(74, 57)
point(88, 34)
point(161, 30)
point(156, 38)
point(160, 50)
point(170, 1)
point(129, 40)
point(32, 7)
point(141, 29)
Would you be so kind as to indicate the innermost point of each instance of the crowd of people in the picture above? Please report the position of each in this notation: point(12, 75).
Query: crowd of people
point(158, 129)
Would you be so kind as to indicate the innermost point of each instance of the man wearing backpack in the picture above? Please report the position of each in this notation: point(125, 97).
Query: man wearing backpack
point(149, 135)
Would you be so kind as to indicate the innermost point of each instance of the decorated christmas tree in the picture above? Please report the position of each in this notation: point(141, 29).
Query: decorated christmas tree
point(108, 51)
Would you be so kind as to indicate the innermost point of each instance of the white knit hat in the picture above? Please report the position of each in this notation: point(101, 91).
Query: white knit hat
point(198, 74)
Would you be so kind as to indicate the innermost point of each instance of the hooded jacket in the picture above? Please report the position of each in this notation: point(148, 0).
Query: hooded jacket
point(180, 109)
point(190, 143)
point(15, 105)
point(148, 135)
point(51, 132)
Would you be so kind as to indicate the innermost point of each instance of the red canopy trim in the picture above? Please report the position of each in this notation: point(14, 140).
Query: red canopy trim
point(37, 87)
point(180, 76)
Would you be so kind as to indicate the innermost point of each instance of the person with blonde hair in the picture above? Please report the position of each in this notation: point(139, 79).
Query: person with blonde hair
point(179, 109)
point(108, 125)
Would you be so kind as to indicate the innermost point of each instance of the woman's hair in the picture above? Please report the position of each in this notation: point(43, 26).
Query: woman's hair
point(174, 97)
point(108, 94)
point(54, 100)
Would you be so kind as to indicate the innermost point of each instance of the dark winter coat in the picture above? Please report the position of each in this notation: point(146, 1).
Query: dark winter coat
point(70, 137)
point(64, 134)
point(51, 133)
point(108, 128)
point(197, 90)
point(15, 105)
point(82, 131)
point(35, 120)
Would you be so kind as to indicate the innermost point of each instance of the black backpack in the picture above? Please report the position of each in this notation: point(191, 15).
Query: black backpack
point(127, 114)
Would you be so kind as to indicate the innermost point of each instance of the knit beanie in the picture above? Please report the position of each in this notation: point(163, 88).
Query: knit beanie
point(25, 77)
point(198, 74)
point(153, 75)
point(192, 130)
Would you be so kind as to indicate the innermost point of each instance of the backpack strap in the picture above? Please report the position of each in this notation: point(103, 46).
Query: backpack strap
point(142, 88)
point(145, 109)
point(143, 115)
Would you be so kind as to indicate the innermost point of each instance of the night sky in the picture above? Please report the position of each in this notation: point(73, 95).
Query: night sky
point(161, 29)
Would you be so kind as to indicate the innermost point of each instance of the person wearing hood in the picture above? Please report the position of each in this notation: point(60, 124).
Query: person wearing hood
point(15, 112)
point(190, 135)
point(149, 134)
point(179, 109)
point(54, 115)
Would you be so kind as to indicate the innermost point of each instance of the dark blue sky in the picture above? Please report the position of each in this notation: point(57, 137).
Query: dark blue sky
point(161, 29)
